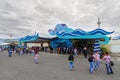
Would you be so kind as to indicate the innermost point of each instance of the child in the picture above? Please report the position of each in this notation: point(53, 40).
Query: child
point(75, 52)
point(10, 53)
point(36, 60)
point(71, 61)
point(91, 62)
point(97, 59)
point(32, 52)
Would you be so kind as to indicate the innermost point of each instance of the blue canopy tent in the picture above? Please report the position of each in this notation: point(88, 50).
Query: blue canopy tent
point(28, 38)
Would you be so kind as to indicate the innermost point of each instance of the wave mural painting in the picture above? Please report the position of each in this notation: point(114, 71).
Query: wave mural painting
point(28, 38)
point(63, 32)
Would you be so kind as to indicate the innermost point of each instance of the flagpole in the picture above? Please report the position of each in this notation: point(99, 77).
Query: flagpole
point(99, 22)
point(10, 36)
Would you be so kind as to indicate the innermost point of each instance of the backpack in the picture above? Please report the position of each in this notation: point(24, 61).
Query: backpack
point(90, 59)
point(71, 58)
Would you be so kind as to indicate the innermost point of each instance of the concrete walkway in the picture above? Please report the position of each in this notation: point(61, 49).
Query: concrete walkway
point(51, 67)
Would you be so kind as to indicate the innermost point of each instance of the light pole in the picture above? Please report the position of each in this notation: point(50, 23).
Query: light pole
point(10, 36)
point(99, 22)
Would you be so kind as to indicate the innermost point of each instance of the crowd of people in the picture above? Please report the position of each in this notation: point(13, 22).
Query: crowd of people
point(94, 58)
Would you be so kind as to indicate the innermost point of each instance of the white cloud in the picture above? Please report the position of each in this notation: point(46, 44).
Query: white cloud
point(23, 17)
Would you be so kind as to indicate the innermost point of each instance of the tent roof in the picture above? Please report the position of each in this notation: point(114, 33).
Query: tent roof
point(41, 40)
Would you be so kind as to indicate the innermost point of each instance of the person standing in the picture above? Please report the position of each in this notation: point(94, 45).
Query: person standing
point(107, 63)
point(84, 52)
point(71, 61)
point(32, 52)
point(10, 52)
point(36, 58)
point(75, 52)
point(1, 50)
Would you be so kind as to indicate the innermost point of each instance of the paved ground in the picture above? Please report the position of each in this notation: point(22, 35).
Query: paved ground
point(51, 67)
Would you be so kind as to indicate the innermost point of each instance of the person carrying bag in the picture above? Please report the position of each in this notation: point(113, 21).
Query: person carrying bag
point(108, 63)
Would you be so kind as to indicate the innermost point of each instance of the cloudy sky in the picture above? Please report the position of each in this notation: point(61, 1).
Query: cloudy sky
point(22, 17)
